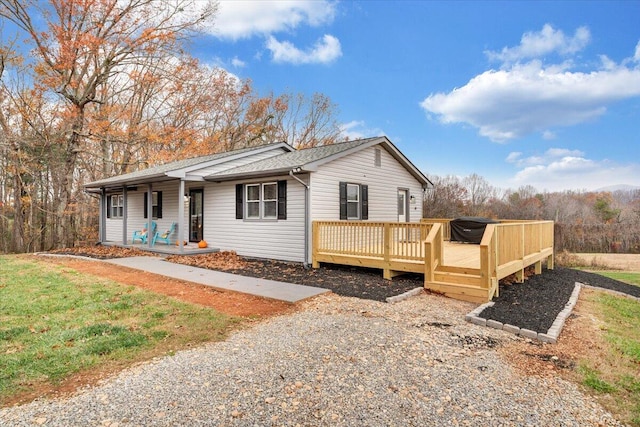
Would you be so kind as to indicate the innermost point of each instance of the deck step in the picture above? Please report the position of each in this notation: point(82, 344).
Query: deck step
point(457, 278)
point(469, 293)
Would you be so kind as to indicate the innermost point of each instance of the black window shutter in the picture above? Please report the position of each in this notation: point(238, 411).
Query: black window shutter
point(343, 200)
point(239, 198)
point(364, 197)
point(282, 199)
point(108, 206)
point(159, 205)
point(146, 205)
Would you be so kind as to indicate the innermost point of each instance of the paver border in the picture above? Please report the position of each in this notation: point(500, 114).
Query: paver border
point(404, 296)
point(551, 336)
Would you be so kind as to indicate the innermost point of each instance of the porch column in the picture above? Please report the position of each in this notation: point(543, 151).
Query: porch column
point(149, 214)
point(179, 231)
point(124, 215)
point(102, 223)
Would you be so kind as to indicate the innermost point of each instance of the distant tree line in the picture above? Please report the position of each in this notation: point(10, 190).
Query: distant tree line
point(601, 222)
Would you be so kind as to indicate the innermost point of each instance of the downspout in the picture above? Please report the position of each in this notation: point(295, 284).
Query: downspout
point(307, 217)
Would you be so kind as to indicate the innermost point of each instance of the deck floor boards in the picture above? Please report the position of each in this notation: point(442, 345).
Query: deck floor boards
point(461, 255)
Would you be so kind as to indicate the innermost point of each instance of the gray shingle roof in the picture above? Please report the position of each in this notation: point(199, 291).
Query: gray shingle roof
point(292, 160)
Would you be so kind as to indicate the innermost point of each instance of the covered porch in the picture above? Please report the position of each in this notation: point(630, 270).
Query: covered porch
point(159, 215)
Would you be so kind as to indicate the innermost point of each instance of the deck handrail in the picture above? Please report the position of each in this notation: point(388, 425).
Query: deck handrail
point(433, 250)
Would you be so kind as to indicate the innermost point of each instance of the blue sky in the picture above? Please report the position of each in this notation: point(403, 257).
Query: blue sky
point(522, 93)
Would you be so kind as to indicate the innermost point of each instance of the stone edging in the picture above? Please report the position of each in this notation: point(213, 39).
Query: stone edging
point(551, 336)
point(411, 293)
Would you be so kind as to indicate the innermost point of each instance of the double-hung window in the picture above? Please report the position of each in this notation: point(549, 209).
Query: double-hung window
point(116, 206)
point(353, 201)
point(266, 200)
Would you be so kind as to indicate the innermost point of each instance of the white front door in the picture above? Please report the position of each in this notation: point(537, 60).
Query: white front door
point(402, 205)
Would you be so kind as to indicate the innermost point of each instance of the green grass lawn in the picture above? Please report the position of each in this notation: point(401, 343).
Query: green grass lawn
point(623, 276)
point(56, 322)
point(617, 375)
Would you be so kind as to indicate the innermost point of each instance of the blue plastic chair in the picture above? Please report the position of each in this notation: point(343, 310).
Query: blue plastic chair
point(164, 237)
point(143, 234)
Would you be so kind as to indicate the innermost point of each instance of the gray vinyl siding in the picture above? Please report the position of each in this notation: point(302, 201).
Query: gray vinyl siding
point(359, 168)
point(273, 239)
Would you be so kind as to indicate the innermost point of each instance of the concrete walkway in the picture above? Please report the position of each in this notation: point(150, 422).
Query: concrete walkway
point(219, 280)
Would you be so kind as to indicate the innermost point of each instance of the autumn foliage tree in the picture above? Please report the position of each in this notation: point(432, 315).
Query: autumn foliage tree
point(84, 43)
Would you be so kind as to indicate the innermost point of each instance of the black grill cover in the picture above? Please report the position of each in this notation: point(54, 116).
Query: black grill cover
point(469, 229)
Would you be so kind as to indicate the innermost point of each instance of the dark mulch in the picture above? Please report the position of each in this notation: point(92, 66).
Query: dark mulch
point(535, 304)
point(342, 280)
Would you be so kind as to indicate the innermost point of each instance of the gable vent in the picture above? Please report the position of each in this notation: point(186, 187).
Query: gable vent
point(378, 158)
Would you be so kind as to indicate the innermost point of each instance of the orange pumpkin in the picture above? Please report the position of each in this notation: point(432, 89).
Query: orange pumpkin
point(202, 244)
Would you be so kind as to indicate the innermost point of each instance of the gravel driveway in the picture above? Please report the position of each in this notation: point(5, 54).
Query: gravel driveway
point(338, 361)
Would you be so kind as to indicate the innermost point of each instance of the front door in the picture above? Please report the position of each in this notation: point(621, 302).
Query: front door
point(402, 205)
point(195, 215)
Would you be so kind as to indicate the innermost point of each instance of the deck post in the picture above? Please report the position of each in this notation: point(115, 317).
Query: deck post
point(315, 241)
point(386, 272)
point(538, 267)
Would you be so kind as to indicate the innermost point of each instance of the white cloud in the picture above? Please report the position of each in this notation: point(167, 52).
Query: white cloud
point(546, 41)
point(552, 155)
point(563, 169)
point(357, 129)
point(513, 157)
point(531, 97)
point(238, 63)
point(244, 19)
point(323, 51)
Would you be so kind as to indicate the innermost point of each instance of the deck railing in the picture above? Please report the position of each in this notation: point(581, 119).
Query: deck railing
point(446, 227)
point(389, 240)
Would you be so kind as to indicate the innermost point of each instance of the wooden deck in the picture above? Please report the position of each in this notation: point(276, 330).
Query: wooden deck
point(459, 270)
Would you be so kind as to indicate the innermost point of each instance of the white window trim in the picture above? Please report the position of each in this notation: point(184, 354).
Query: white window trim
point(261, 202)
point(252, 201)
